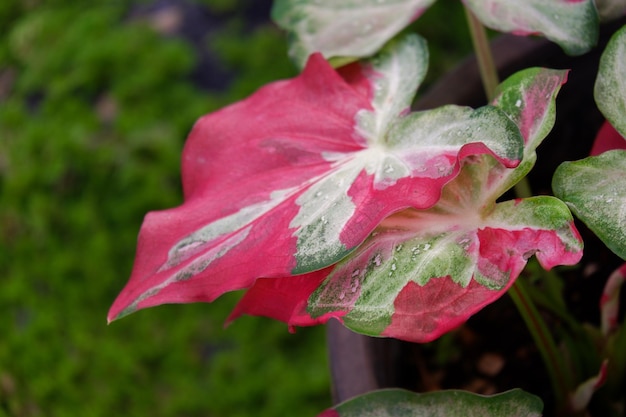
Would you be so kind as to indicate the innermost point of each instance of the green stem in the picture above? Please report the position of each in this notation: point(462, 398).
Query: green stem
point(489, 76)
point(487, 68)
point(560, 376)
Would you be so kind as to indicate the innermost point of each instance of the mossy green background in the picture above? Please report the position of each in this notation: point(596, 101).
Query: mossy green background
point(93, 115)
point(94, 109)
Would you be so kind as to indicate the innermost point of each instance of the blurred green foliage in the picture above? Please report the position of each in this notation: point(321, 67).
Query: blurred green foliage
point(94, 109)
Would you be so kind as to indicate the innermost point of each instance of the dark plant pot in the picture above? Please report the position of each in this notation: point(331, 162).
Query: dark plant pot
point(360, 364)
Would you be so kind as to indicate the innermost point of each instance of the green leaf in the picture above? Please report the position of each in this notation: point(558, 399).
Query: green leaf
point(449, 403)
point(399, 69)
point(571, 24)
point(594, 190)
point(610, 87)
point(349, 28)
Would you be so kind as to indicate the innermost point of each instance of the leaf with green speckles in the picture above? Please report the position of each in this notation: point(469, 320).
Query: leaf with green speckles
point(423, 273)
point(595, 191)
point(610, 87)
point(528, 97)
point(448, 403)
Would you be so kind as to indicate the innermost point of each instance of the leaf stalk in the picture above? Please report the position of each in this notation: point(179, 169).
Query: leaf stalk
point(482, 49)
point(560, 375)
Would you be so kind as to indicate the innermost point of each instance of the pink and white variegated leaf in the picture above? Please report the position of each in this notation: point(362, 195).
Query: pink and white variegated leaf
point(528, 97)
point(609, 302)
point(425, 273)
point(610, 86)
point(422, 273)
point(594, 190)
point(346, 29)
point(573, 24)
point(579, 399)
point(293, 178)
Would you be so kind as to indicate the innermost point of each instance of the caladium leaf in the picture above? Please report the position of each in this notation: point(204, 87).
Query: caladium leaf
point(424, 272)
point(573, 24)
point(528, 97)
point(293, 178)
point(448, 403)
point(348, 28)
point(594, 189)
point(351, 29)
point(610, 86)
point(580, 398)
point(609, 302)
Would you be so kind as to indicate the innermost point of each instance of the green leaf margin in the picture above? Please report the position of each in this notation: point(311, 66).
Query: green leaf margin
point(610, 87)
point(594, 189)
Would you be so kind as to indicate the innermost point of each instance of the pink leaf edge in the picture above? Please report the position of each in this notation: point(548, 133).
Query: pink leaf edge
point(237, 158)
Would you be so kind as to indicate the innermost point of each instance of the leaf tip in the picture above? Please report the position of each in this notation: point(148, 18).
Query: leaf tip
point(120, 309)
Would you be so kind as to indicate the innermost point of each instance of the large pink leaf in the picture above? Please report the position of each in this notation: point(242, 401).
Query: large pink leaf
point(295, 177)
point(424, 272)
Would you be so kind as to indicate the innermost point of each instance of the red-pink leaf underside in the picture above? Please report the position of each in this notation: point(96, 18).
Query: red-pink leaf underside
point(607, 139)
point(424, 272)
point(293, 178)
